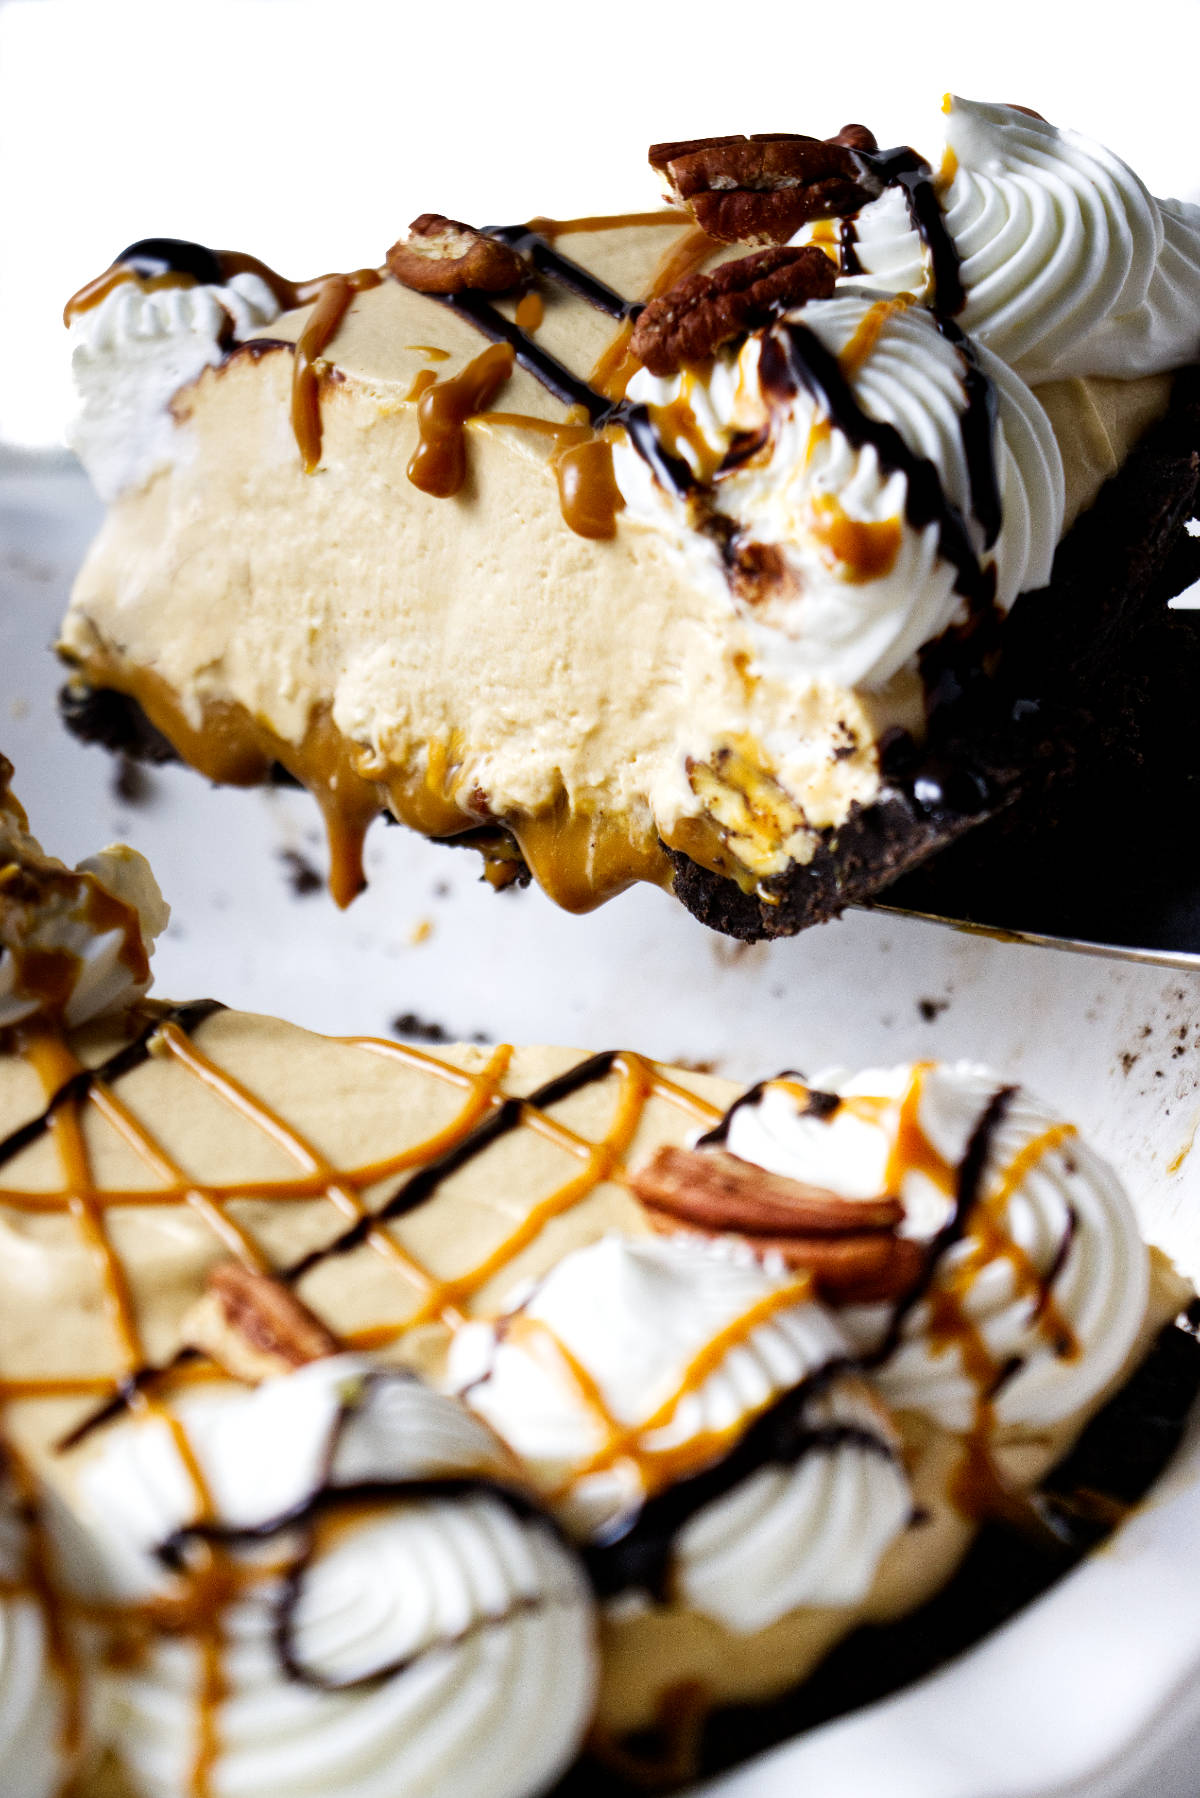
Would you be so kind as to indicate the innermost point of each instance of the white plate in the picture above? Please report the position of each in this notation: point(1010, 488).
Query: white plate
point(1085, 1690)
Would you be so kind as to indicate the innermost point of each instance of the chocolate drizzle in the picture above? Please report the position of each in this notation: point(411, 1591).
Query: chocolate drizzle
point(571, 390)
point(563, 272)
point(968, 1189)
point(794, 357)
point(329, 1498)
point(817, 1104)
point(637, 1552)
point(420, 1188)
point(133, 1054)
point(903, 168)
point(150, 257)
point(980, 422)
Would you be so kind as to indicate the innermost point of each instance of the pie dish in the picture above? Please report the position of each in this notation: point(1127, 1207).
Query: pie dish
point(753, 547)
point(660, 1385)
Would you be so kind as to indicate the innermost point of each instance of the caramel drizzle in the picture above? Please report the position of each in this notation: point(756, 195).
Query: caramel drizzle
point(976, 1220)
point(214, 1578)
point(332, 304)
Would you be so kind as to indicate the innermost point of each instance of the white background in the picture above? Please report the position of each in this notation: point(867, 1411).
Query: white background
point(312, 131)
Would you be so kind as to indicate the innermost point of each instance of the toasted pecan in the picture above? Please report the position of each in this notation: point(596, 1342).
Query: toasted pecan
point(850, 1246)
point(442, 255)
point(701, 312)
point(254, 1326)
point(868, 1269)
point(761, 189)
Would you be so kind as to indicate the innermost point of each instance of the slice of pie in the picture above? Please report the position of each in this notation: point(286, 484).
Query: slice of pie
point(754, 547)
point(398, 1423)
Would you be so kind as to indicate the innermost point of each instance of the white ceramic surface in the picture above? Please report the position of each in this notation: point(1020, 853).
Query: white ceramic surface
point(1089, 1692)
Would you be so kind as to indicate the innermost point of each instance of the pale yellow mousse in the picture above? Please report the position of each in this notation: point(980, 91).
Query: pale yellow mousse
point(237, 1137)
point(472, 661)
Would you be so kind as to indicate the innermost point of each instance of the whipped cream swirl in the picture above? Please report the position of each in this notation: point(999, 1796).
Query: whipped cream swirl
point(132, 353)
point(386, 1637)
point(1048, 1271)
point(34, 1746)
point(74, 945)
point(1070, 266)
point(858, 589)
point(637, 1364)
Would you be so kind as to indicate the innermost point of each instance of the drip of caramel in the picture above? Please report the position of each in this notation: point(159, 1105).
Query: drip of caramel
point(439, 462)
point(331, 307)
point(579, 855)
point(531, 310)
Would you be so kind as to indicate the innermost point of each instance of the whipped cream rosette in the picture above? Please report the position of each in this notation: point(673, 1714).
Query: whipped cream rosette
point(852, 450)
point(74, 944)
point(697, 1419)
point(337, 1591)
point(1067, 264)
point(1035, 1284)
point(41, 1715)
point(134, 350)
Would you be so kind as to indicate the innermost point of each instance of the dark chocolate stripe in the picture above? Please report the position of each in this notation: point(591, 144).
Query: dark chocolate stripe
point(638, 1553)
point(554, 375)
point(563, 272)
point(329, 1497)
point(794, 357)
point(818, 1104)
point(570, 390)
point(980, 422)
point(903, 168)
point(967, 1191)
point(186, 1017)
point(422, 1185)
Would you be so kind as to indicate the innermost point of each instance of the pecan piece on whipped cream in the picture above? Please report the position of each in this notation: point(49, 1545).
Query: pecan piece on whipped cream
point(254, 1327)
point(442, 255)
point(762, 189)
point(702, 312)
point(850, 1246)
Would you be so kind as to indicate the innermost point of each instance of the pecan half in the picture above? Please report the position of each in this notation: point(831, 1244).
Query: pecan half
point(441, 255)
point(254, 1327)
point(762, 189)
point(701, 312)
point(850, 1246)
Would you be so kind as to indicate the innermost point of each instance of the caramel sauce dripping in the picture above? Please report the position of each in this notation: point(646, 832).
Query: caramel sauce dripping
point(580, 856)
point(581, 458)
point(333, 302)
point(439, 463)
point(615, 369)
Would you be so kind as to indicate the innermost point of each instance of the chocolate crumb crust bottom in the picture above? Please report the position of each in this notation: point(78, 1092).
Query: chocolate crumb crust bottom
point(1067, 685)
point(1121, 1453)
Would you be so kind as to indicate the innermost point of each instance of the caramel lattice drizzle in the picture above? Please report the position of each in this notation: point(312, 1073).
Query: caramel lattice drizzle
point(485, 1112)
